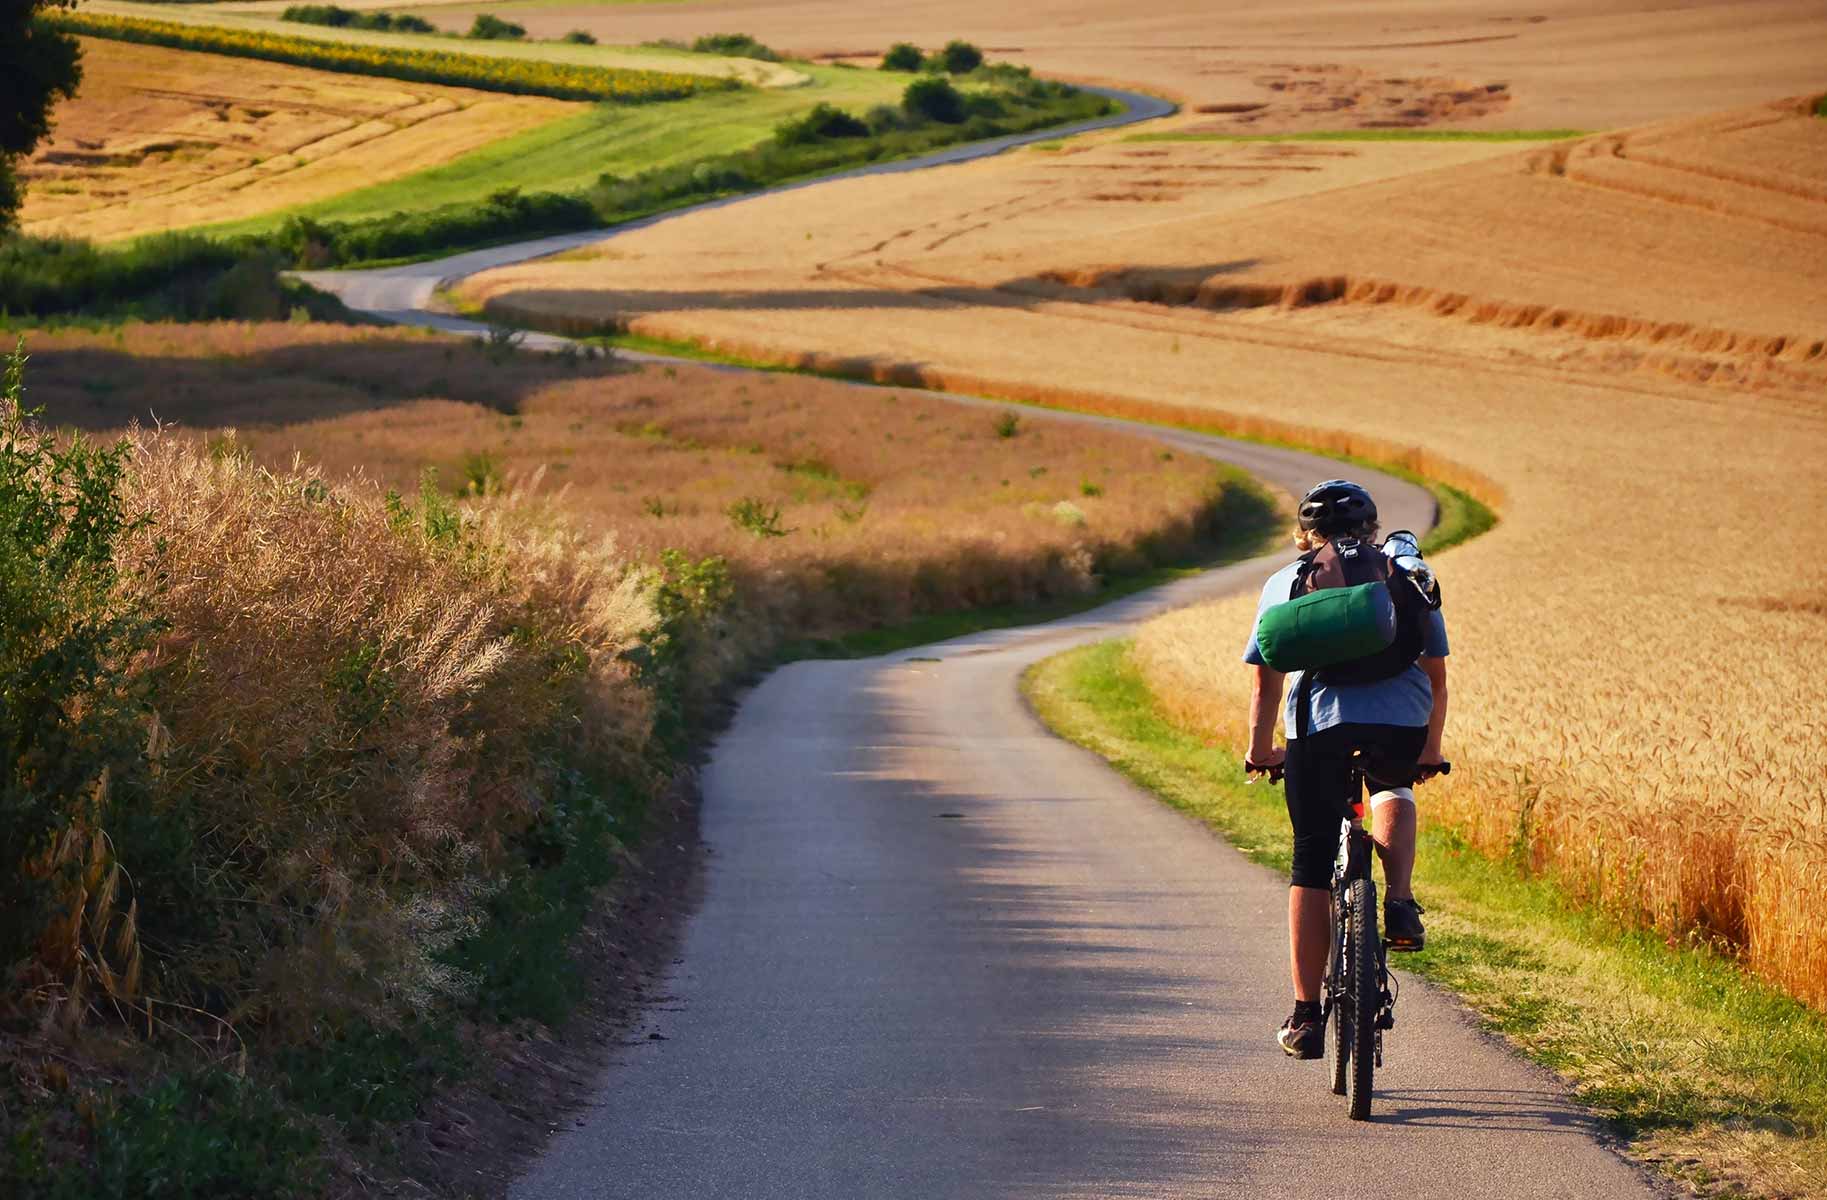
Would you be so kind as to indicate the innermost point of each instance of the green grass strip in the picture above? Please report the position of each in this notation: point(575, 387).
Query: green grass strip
point(527, 77)
point(1715, 1077)
point(1372, 135)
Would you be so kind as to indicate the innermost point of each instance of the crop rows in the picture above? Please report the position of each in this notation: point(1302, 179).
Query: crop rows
point(562, 81)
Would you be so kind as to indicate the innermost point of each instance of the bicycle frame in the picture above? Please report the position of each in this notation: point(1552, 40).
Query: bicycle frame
point(1350, 868)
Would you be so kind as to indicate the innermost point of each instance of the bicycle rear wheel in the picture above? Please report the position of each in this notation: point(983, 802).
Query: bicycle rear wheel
point(1337, 994)
point(1363, 988)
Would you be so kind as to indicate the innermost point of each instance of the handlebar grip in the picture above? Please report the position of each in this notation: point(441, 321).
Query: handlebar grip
point(1427, 771)
point(1274, 771)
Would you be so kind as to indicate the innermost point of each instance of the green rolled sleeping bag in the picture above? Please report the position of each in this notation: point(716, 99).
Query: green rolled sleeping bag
point(1333, 625)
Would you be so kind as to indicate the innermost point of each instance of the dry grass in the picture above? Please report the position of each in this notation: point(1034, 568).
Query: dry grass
point(891, 503)
point(161, 139)
point(1634, 379)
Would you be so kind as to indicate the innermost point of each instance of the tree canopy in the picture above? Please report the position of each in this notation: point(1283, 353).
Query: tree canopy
point(37, 66)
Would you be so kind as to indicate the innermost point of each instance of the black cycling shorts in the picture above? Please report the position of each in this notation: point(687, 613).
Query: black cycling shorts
point(1319, 786)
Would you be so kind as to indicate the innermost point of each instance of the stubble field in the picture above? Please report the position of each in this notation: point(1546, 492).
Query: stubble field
point(159, 139)
point(1616, 340)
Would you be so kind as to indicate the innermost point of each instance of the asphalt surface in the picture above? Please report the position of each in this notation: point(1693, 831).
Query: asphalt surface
point(942, 953)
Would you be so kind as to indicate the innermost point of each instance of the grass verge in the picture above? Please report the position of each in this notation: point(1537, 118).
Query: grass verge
point(1372, 135)
point(1717, 1079)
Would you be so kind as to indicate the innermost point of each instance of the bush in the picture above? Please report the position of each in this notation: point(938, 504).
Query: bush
point(735, 45)
point(823, 121)
point(934, 100)
point(489, 27)
point(961, 58)
point(903, 56)
point(70, 712)
point(348, 18)
point(579, 37)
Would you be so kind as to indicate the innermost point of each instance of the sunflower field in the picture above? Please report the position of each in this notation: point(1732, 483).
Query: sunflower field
point(528, 77)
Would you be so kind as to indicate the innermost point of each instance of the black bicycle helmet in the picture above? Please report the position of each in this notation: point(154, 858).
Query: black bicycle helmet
point(1337, 506)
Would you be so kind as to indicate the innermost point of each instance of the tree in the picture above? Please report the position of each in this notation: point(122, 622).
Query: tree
point(903, 56)
point(961, 58)
point(37, 65)
point(935, 100)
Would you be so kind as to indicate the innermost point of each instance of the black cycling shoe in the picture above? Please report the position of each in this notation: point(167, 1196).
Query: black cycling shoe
point(1303, 1035)
point(1402, 925)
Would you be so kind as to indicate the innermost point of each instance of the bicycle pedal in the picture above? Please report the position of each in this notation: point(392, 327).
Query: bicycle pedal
point(1386, 1020)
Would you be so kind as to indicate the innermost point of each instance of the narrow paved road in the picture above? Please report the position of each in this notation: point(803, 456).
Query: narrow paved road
point(944, 954)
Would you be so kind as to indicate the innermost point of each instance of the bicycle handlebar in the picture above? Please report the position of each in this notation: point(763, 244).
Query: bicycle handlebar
point(1275, 771)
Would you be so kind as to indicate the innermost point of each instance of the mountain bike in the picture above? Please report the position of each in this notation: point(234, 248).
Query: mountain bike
point(1359, 996)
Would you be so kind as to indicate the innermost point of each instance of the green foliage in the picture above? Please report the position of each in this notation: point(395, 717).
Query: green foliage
point(1820, 107)
point(69, 705)
point(935, 100)
point(505, 214)
point(366, 1077)
point(39, 66)
point(735, 45)
point(489, 27)
point(1008, 425)
point(338, 17)
point(1090, 489)
point(903, 56)
point(823, 121)
point(757, 517)
point(579, 37)
point(960, 57)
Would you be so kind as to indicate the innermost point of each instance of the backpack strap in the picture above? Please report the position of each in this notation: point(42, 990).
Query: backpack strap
point(1303, 567)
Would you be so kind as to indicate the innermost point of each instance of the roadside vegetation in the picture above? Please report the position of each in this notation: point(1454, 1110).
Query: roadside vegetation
point(311, 775)
point(1716, 1078)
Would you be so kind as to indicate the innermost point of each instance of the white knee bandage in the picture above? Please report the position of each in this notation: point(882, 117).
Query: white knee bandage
point(1384, 797)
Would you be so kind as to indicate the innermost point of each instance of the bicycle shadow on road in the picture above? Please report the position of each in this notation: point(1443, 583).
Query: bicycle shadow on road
point(1485, 1109)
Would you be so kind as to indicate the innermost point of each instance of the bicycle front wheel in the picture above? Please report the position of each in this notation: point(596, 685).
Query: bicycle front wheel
point(1363, 989)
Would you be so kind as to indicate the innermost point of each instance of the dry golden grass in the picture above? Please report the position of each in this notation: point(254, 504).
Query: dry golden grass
point(1312, 64)
point(1632, 373)
point(896, 504)
point(160, 139)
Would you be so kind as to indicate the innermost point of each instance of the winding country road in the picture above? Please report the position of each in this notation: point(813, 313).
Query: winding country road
point(941, 953)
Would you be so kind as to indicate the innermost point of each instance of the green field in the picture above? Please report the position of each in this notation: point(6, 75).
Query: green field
point(1372, 135)
point(569, 155)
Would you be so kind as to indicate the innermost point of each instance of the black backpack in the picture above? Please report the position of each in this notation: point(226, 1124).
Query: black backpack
point(1348, 562)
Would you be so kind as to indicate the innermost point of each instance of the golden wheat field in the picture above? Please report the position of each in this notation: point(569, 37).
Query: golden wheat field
point(1617, 340)
point(863, 507)
point(1305, 64)
point(157, 139)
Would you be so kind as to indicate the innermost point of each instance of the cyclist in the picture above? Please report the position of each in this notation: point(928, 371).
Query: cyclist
point(1395, 723)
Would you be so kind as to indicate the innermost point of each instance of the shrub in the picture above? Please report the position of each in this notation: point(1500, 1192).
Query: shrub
point(735, 45)
point(961, 58)
point(489, 27)
point(70, 713)
point(935, 100)
point(1008, 425)
point(823, 121)
point(757, 517)
point(580, 37)
point(348, 18)
point(903, 56)
point(886, 118)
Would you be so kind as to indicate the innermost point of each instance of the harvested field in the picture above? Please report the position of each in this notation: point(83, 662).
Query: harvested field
point(1630, 366)
point(863, 508)
point(1254, 65)
point(159, 139)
